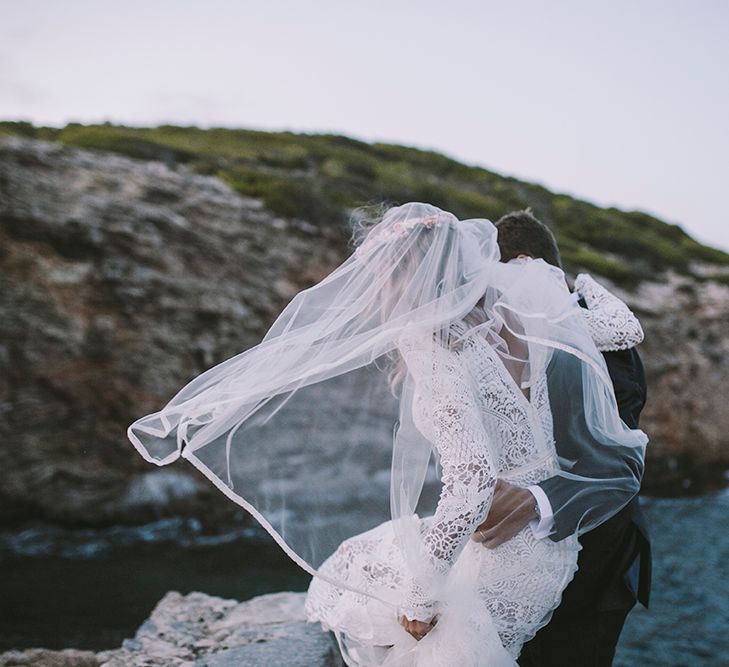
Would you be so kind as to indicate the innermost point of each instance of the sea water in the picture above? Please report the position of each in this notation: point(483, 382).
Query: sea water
point(92, 588)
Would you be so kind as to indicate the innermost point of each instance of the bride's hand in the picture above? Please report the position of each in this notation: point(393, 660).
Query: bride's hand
point(418, 629)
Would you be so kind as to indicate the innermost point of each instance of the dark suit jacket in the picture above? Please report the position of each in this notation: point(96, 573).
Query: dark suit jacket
point(615, 560)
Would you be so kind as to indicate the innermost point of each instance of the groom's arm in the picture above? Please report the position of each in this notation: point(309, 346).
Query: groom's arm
point(576, 498)
point(616, 331)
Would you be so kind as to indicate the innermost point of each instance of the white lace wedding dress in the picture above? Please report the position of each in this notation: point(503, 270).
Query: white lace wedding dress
point(504, 595)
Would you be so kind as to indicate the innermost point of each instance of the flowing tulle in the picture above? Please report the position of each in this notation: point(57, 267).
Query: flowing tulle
point(285, 429)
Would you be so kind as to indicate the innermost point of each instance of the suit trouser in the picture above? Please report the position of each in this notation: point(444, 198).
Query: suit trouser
point(578, 641)
point(585, 628)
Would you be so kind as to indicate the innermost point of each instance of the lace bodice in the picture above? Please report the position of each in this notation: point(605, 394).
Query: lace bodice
point(482, 427)
point(610, 322)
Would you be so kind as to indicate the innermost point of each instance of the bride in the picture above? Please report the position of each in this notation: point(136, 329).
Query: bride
point(476, 347)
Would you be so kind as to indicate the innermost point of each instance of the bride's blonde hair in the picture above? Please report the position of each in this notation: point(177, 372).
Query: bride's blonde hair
point(362, 220)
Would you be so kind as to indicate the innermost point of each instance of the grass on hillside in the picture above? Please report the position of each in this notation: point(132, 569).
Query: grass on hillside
point(319, 177)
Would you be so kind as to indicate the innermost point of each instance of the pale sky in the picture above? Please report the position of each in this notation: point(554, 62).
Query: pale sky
point(620, 103)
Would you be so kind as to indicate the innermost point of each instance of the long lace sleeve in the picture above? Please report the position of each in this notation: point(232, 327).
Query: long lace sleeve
point(612, 325)
point(446, 412)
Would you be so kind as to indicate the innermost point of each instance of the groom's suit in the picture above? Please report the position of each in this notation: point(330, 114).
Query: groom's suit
point(614, 565)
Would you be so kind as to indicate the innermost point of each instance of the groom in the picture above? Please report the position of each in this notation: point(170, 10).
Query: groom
point(614, 564)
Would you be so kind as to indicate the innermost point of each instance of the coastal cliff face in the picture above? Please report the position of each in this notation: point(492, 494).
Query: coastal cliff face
point(122, 279)
point(686, 355)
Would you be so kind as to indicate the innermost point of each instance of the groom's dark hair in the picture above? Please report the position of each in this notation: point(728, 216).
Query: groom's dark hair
point(519, 232)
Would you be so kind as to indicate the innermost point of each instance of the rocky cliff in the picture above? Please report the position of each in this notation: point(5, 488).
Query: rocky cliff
point(198, 630)
point(124, 278)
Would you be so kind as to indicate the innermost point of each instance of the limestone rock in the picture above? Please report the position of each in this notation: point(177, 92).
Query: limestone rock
point(198, 630)
point(41, 657)
point(686, 354)
point(122, 279)
point(204, 631)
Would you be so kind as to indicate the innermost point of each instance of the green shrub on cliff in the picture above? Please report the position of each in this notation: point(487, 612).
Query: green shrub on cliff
point(319, 177)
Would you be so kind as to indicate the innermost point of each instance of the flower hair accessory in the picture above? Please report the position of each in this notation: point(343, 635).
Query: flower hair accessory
point(400, 229)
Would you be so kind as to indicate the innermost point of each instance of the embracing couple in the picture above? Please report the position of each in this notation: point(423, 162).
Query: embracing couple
point(518, 393)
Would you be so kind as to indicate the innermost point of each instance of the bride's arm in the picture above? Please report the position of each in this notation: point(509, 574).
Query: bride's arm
point(612, 325)
point(446, 412)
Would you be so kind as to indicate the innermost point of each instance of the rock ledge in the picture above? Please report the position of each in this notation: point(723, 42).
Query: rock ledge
point(199, 630)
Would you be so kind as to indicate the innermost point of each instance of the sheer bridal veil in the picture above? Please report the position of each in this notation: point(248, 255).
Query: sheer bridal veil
point(302, 431)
